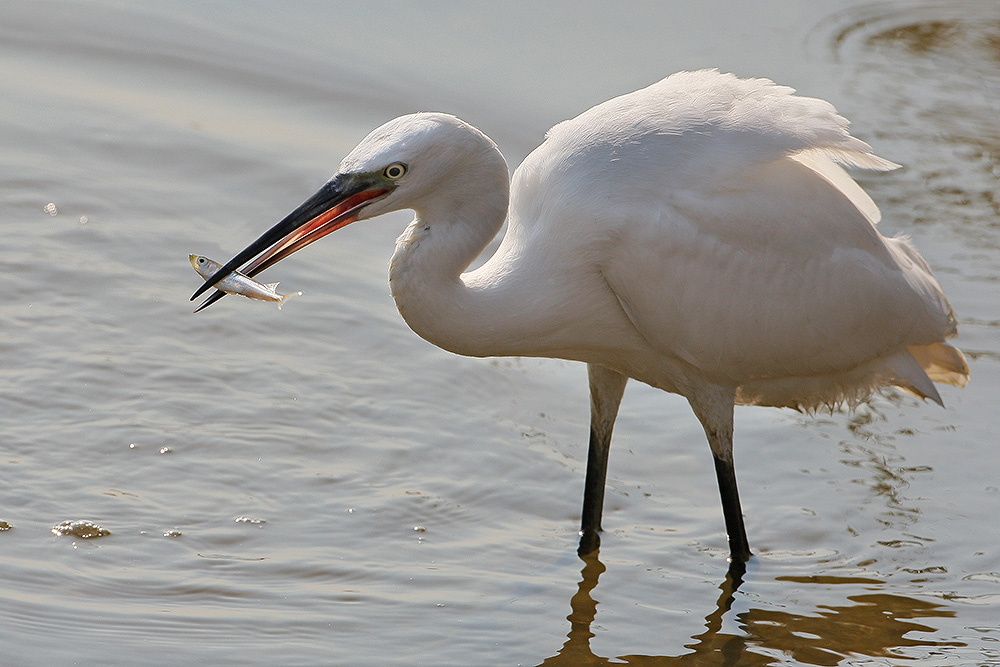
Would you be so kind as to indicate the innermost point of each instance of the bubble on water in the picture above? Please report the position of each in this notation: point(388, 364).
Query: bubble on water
point(249, 519)
point(80, 528)
point(171, 533)
point(51, 209)
point(84, 219)
point(5, 526)
point(166, 450)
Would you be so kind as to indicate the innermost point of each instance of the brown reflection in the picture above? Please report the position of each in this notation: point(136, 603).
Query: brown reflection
point(709, 648)
point(921, 38)
point(576, 650)
point(939, 36)
point(872, 624)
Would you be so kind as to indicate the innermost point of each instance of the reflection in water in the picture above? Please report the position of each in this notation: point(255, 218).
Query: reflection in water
point(871, 624)
point(874, 625)
point(576, 650)
point(934, 68)
point(874, 452)
point(710, 647)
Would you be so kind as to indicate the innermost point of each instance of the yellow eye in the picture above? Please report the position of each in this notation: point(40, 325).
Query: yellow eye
point(395, 171)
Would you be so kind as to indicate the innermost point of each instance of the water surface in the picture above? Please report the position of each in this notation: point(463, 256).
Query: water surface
point(319, 486)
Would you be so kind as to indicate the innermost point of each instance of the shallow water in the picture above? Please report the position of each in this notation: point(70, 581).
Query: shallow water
point(320, 486)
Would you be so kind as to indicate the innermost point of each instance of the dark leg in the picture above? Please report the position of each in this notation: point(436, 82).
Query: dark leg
point(593, 492)
point(606, 389)
point(714, 408)
point(739, 547)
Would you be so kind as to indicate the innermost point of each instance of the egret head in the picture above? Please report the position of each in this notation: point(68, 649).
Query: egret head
point(394, 167)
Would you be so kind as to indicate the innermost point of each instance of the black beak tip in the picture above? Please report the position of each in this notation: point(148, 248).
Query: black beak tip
point(210, 300)
point(201, 290)
point(335, 190)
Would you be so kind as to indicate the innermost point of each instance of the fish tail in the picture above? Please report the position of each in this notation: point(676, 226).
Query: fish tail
point(281, 301)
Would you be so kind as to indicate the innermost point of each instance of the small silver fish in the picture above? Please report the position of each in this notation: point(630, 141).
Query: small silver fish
point(238, 283)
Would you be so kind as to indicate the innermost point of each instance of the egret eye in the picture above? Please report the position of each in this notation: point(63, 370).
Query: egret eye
point(395, 171)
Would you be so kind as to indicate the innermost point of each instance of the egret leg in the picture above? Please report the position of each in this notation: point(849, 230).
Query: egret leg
point(606, 389)
point(739, 547)
point(714, 409)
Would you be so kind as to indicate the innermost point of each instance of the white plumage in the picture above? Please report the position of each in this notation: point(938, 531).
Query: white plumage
point(700, 229)
point(698, 235)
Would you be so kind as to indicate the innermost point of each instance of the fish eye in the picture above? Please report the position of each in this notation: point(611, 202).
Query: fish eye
point(394, 171)
point(201, 260)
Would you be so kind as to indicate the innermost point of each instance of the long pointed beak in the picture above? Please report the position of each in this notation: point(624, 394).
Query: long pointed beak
point(337, 204)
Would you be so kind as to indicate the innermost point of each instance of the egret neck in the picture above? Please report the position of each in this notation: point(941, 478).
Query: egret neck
point(449, 231)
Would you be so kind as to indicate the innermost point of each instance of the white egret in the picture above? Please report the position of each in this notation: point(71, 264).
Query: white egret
point(698, 235)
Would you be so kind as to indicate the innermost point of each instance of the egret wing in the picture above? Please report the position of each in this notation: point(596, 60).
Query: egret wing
point(776, 273)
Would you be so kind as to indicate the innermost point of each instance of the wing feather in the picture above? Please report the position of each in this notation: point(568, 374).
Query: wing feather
point(734, 241)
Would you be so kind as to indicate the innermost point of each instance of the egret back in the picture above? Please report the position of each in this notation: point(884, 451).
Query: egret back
point(715, 211)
